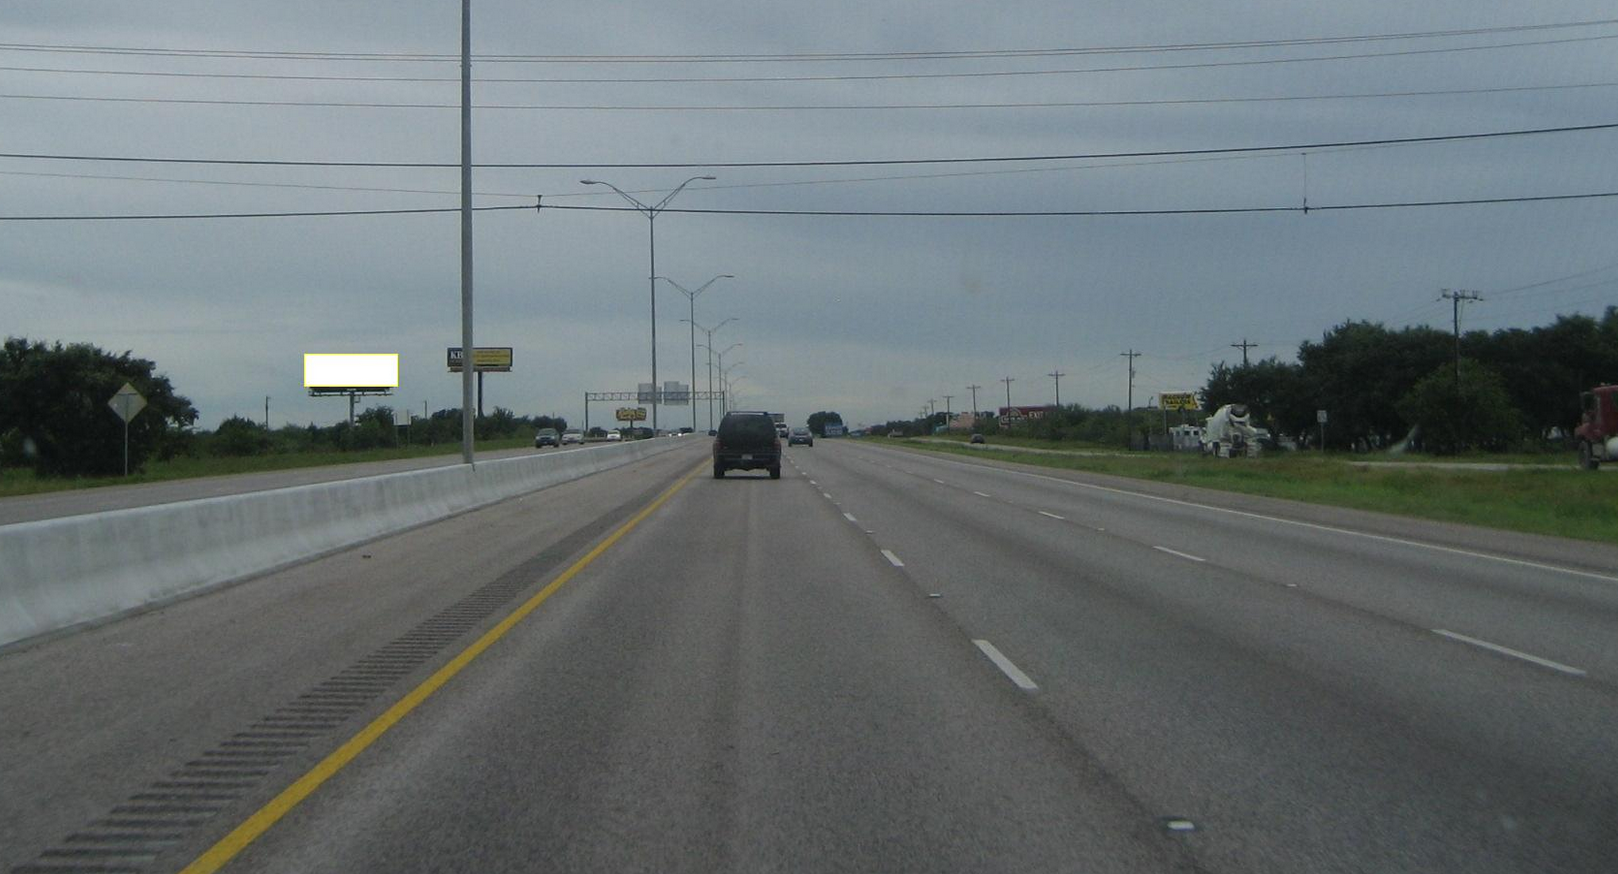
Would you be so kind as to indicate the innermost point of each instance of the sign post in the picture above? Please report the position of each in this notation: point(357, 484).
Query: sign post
point(1320, 416)
point(127, 403)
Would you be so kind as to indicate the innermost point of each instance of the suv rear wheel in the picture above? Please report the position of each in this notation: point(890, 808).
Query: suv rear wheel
point(775, 472)
point(718, 471)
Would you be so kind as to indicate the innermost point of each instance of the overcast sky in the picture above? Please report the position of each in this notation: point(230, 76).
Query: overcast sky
point(868, 316)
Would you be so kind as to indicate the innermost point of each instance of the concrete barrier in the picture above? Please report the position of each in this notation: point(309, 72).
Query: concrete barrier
point(57, 573)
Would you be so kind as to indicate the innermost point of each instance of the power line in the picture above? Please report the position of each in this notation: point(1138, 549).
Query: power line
point(837, 77)
point(804, 56)
point(806, 107)
point(248, 215)
point(999, 159)
point(592, 194)
point(828, 213)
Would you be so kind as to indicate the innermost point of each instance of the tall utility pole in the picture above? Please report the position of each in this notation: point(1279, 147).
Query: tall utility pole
point(1129, 411)
point(1244, 346)
point(1455, 298)
point(468, 351)
point(266, 412)
point(974, 390)
point(1057, 375)
point(1008, 381)
point(948, 413)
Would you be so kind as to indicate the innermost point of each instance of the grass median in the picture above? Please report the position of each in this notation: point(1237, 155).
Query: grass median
point(1567, 503)
point(23, 482)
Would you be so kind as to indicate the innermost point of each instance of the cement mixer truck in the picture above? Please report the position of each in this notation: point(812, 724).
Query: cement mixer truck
point(1598, 431)
point(1228, 433)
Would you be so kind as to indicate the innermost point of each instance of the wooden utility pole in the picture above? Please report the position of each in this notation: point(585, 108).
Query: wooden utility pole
point(1244, 346)
point(1455, 298)
point(1129, 411)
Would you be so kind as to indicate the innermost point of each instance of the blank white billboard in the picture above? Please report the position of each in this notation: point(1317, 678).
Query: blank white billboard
point(351, 370)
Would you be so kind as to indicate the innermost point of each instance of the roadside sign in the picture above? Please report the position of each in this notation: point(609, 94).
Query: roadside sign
point(1320, 416)
point(487, 359)
point(631, 414)
point(127, 403)
point(1178, 400)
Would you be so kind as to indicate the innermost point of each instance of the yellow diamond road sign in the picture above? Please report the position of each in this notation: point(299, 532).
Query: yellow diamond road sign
point(127, 403)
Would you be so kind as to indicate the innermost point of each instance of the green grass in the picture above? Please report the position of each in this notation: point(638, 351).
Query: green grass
point(24, 482)
point(1567, 503)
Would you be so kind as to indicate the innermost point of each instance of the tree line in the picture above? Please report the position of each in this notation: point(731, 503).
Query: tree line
point(54, 417)
point(1379, 386)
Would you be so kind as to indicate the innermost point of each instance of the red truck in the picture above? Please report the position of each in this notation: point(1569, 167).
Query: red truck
point(1598, 432)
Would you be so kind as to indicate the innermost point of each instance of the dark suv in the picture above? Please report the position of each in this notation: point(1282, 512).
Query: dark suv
point(747, 441)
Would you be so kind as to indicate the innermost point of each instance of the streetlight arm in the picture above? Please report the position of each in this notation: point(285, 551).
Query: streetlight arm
point(665, 201)
point(648, 211)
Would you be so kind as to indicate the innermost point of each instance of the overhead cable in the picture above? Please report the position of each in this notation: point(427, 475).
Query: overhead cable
point(837, 77)
point(806, 107)
point(806, 56)
point(837, 213)
point(876, 162)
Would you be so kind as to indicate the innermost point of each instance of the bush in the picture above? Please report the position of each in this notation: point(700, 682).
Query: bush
point(238, 436)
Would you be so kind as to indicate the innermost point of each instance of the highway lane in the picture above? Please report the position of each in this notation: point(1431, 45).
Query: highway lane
point(743, 684)
point(92, 719)
point(758, 676)
point(1281, 683)
point(73, 502)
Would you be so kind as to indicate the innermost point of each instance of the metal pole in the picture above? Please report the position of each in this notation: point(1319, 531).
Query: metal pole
point(467, 349)
point(126, 447)
point(710, 380)
point(651, 225)
point(587, 414)
point(266, 412)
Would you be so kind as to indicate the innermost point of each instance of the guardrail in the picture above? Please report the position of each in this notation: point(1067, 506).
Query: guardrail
point(58, 573)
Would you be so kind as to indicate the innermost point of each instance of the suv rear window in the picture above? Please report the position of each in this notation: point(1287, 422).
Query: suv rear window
point(741, 427)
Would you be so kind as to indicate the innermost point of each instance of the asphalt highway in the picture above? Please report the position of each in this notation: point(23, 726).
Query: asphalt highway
point(884, 661)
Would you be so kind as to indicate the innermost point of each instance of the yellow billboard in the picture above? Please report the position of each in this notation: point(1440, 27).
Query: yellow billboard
point(1178, 400)
point(495, 359)
point(329, 370)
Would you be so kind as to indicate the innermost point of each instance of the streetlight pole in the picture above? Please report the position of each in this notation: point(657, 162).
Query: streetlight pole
point(709, 332)
point(651, 230)
point(692, 296)
point(724, 405)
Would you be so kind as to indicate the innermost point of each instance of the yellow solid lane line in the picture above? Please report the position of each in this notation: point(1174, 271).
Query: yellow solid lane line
point(240, 837)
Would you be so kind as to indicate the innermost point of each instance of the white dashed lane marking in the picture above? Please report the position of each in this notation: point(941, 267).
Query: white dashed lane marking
point(850, 517)
point(1514, 653)
point(1052, 515)
point(892, 559)
point(1023, 681)
point(1185, 555)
